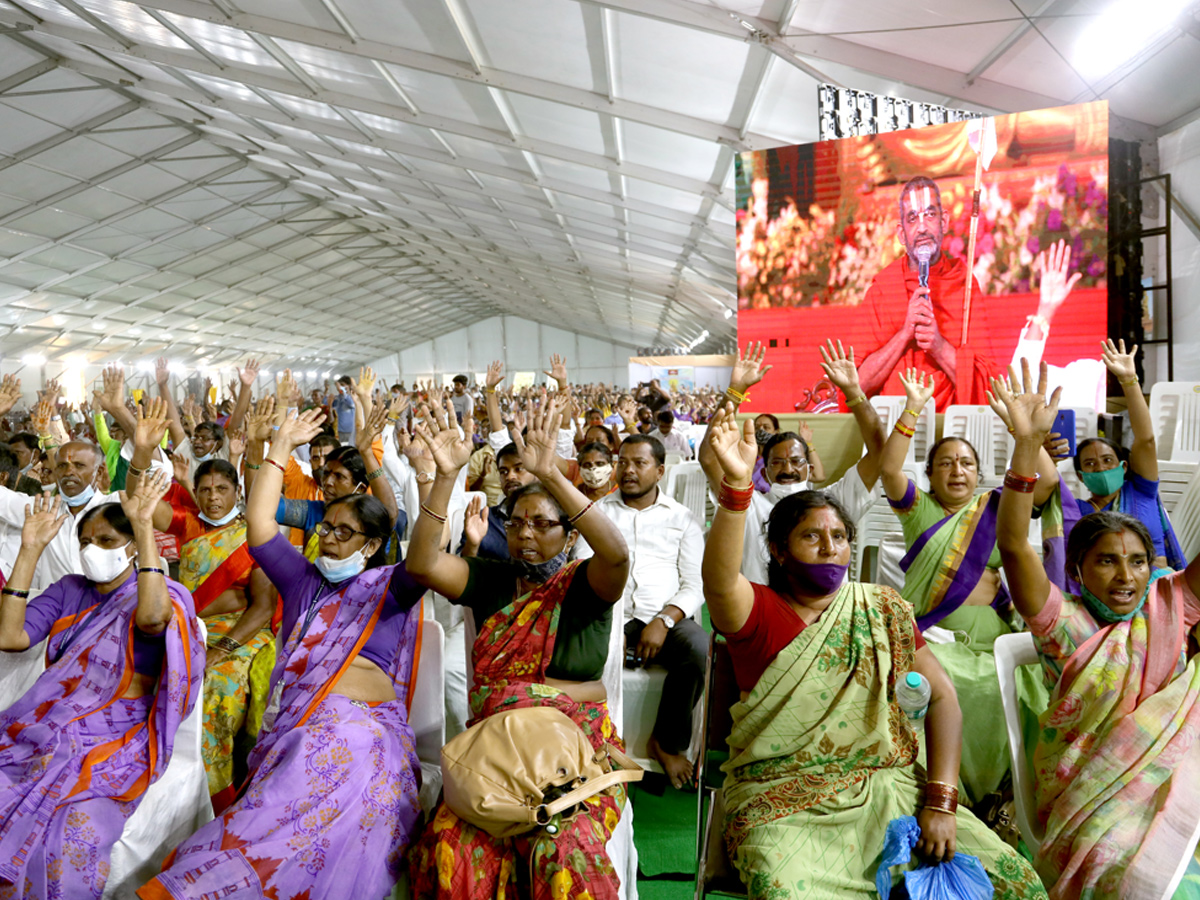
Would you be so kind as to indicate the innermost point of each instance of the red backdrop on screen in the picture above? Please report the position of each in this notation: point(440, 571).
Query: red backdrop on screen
point(818, 226)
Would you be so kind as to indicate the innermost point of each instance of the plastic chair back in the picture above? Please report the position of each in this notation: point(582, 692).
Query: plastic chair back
point(427, 715)
point(688, 486)
point(1186, 445)
point(1165, 399)
point(1012, 650)
point(977, 425)
point(1185, 514)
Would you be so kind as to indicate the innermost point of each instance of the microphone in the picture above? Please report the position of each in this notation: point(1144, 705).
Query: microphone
point(924, 254)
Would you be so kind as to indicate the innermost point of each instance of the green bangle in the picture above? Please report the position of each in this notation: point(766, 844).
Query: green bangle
point(254, 466)
point(371, 476)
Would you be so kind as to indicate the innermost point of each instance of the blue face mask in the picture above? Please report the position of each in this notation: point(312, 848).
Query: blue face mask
point(80, 499)
point(339, 570)
point(224, 520)
point(202, 459)
point(539, 573)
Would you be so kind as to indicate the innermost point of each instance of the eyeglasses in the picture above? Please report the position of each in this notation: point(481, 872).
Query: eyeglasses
point(341, 533)
point(540, 526)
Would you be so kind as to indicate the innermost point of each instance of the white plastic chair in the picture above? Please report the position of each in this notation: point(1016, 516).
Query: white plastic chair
point(1173, 479)
point(1165, 406)
point(977, 424)
point(878, 523)
point(1012, 650)
point(687, 485)
point(427, 713)
point(1185, 514)
point(889, 408)
point(1186, 444)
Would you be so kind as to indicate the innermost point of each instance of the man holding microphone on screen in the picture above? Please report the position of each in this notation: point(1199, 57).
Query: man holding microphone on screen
point(916, 307)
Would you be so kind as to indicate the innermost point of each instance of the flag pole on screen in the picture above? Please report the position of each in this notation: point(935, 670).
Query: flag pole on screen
point(981, 135)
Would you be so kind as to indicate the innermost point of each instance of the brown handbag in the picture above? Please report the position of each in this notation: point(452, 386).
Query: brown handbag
point(527, 768)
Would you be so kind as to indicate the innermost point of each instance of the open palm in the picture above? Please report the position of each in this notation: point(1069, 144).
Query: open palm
point(733, 445)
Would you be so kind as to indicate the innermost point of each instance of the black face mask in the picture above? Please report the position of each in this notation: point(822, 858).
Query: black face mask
point(540, 573)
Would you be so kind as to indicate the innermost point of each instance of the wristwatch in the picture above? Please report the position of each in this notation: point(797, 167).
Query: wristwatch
point(424, 478)
point(666, 620)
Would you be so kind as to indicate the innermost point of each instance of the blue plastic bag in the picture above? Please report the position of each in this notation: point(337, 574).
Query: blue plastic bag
point(963, 878)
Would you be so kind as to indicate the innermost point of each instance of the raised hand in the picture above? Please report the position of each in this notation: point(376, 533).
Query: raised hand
point(840, 369)
point(10, 393)
point(41, 416)
point(558, 370)
point(439, 433)
point(749, 369)
point(297, 430)
point(237, 444)
point(139, 501)
point(997, 404)
point(43, 519)
point(287, 391)
point(114, 385)
point(396, 406)
point(917, 388)
point(1029, 412)
point(152, 423)
point(249, 373)
point(1055, 264)
point(733, 446)
point(805, 432)
point(475, 523)
point(364, 385)
point(182, 469)
point(373, 424)
point(538, 445)
point(162, 371)
point(260, 422)
point(1123, 365)
point(495, 374)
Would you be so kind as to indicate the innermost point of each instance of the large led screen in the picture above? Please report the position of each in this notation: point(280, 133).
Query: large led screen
point(866, 240)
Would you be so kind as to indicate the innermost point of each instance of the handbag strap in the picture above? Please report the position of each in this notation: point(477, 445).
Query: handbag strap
point(627, 771)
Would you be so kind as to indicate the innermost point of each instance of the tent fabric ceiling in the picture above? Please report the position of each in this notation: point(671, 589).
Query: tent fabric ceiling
point(329, 181)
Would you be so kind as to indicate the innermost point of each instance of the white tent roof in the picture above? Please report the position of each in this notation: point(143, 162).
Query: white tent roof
point(333, 180)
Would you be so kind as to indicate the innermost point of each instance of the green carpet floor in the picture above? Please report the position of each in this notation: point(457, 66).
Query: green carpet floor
point(664, 829)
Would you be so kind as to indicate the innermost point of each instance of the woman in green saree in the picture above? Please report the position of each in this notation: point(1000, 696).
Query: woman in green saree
point(952, 578)
point(821, 755)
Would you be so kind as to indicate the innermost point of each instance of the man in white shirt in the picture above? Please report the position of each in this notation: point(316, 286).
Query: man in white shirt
point(672, 439)
point(663, 592)
point(786, 463)
point(75, 471)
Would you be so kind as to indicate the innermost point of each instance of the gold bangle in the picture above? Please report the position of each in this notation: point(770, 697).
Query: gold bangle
point(440, 519)
point(912, 412)
point(1128, 382)
point(850, 404)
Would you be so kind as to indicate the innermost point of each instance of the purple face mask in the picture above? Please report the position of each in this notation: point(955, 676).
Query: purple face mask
point(818, 579)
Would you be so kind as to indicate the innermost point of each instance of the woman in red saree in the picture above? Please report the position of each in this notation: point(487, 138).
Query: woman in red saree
point(543, 641)
point(124, 662)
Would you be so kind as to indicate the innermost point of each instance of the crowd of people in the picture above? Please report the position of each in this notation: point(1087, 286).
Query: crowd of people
point(263, 561)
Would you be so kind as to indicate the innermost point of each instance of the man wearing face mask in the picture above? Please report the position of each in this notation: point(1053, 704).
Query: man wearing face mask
point(25, 445)
point(786, 457)
point(75, 473)
point(662, 593)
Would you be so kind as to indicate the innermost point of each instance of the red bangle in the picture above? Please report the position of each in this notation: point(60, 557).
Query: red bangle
point(941, 797)
point(272, 462)
point(733, 498)
point(1021, 483)
point(905, 430)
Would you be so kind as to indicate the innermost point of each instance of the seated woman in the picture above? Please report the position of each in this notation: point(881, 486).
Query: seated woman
point(821, 755)
point(1128, 482)
point(1117, 758)
point(544, 630)
point(952, 578)
point(332, 796)
point(124, 663)
point(596, 470)
point(231, 593)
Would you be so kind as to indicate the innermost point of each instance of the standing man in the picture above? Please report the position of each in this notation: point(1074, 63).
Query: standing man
point(662, 593)
point(342, 408)
point(463, 404)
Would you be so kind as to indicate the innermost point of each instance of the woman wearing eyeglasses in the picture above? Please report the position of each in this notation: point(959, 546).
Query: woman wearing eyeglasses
point(544, 629)
point(332, 794)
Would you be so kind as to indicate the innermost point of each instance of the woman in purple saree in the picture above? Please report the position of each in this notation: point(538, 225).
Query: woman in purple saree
point(332, 795)
point(124, 666)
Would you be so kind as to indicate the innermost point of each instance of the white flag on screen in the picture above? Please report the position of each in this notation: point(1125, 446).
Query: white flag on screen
point(981, 134)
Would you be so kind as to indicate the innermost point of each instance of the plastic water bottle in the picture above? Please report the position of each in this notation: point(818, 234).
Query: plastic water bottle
point(913, 695)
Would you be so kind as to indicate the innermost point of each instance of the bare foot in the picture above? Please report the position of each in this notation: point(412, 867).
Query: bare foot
point(677, 766)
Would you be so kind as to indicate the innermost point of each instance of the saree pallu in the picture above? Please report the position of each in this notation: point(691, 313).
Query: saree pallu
point(227, 688)
point(454, 859)
point(332, 797)
point(76, 758)
point(1118, 762)
point(822, 758)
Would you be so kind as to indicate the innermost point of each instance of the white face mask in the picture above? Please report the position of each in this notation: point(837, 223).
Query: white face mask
point(338, 570)
point(597, 476)
point(102, 566)
point(224, 520)
point(778, 490)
